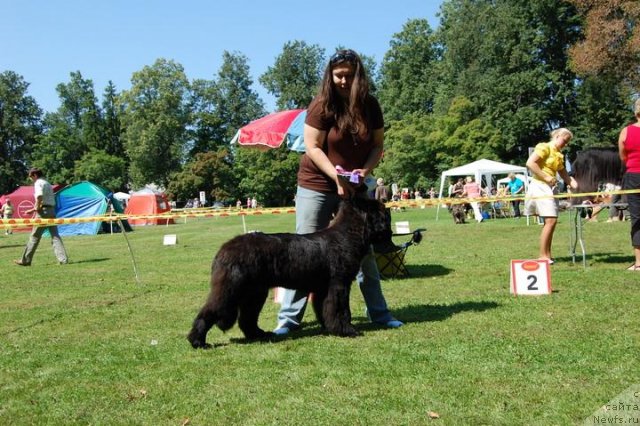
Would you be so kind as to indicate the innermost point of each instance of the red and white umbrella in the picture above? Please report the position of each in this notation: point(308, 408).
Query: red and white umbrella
point(274, 129)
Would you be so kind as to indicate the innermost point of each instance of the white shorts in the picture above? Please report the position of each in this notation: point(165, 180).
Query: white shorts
point(539, 200)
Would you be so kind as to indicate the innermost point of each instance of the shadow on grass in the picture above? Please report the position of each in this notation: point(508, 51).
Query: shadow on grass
point(428, 313)
point(99, 259)
point(417, 271)
point(12, 246)
point(408, 314)
point(599, 258)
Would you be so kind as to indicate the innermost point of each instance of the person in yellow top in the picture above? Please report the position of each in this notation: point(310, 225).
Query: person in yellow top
point(546, 162)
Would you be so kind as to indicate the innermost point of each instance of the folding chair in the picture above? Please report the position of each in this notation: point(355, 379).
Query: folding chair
point(501, 209)
point(390, 257)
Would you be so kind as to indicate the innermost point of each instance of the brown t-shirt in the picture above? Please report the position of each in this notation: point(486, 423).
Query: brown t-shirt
point(342, 150)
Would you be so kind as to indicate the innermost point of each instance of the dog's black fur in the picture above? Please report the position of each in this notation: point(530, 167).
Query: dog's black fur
point(594, 167)
point(324, 262)
point(458, 213)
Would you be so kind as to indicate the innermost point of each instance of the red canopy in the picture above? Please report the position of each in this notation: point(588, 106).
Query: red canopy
point(23, 200)
point(269, 131)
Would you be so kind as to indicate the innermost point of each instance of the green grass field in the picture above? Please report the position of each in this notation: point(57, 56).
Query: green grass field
point(85, 343)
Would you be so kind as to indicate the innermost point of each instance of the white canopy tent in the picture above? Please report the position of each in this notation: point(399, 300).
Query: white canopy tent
point(481, 170)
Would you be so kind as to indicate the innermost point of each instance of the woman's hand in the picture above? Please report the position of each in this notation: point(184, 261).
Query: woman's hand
point(345, 189)
point(361, 172)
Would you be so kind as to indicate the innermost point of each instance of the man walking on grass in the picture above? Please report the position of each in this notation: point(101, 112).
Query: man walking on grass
point(45, 208)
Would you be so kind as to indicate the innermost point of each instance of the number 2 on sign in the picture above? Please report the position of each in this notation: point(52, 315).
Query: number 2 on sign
point(530, 277)
point(532, 284)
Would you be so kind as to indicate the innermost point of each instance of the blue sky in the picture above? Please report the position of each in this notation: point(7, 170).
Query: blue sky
point(44, 41)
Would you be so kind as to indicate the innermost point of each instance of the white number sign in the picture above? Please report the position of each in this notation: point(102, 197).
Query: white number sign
point(530, 277)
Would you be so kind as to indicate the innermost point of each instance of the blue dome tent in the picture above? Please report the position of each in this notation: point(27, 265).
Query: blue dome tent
point(86, 199)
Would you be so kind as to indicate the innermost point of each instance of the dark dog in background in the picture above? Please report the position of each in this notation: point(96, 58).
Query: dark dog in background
point(459, 214)
point(324, 263)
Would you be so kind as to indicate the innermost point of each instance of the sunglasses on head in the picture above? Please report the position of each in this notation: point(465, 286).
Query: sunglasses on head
point(345, 56)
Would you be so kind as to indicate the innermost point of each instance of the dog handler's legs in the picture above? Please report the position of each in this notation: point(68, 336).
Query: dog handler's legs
point(32, 245)
point(369, 281)
point(294, 303)
point(313, 213)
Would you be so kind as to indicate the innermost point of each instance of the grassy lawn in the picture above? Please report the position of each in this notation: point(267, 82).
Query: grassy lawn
point(85, 343)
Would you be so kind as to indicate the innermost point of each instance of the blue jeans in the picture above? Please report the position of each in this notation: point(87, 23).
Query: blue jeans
point(314, 211)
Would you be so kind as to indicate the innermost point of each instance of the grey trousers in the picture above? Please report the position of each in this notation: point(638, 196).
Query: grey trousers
point(36, 235)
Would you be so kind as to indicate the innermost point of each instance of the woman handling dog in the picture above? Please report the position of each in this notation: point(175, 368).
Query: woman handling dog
point(629, 150)
point(545, 162)
point(343, 127)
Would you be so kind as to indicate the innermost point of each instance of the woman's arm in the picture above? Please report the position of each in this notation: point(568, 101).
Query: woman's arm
point(621, 150)
point(376, 153)
point(568, 180)
point(532, 164)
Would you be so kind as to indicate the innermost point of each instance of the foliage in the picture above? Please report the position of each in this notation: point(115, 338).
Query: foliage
point(104, 169)
point(74, 129)
point(408, 74)
point(611, 44)
point(20, 125)
point(491, 81)
point(408, 156)
point(420, 147)
point(211, 172)
point(603, 108)
point(222, 106)
point(510, 59)
point(112, 111)
point(294, 77)
point(155, 119)
point(270, 175)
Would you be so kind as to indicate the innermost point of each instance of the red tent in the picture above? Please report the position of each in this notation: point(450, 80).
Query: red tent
point(22, 200)
point(147, 202)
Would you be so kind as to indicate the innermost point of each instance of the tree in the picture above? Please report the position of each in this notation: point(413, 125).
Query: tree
point(408, 73)
point(155, 120)
point(111, 110)
point(602, 110)
point(421, 146)
point(408, 158)
point(102, 168)
point(71, 131)
point(20, 125)
point(510, 58)
point(270, 175)
point(294, 78)
point(611, 44)
point(211, 172)
point(223, 105)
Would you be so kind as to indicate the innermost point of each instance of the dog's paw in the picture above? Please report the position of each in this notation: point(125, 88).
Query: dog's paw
point(199, 344)
point(197, 341)
point(349, 331)
point(259, 334)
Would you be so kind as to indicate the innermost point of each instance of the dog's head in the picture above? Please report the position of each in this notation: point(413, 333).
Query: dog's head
point(457, 211)
point(377, 219)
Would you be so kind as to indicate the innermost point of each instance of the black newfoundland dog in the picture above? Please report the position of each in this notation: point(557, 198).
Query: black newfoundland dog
point(324, 262)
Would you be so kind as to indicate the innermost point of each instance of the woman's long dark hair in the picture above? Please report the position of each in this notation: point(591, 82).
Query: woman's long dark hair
point(350, 116)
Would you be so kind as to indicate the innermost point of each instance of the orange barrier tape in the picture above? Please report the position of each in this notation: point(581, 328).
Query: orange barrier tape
point(196, 213)
point(451, 201)
point(208, 213)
